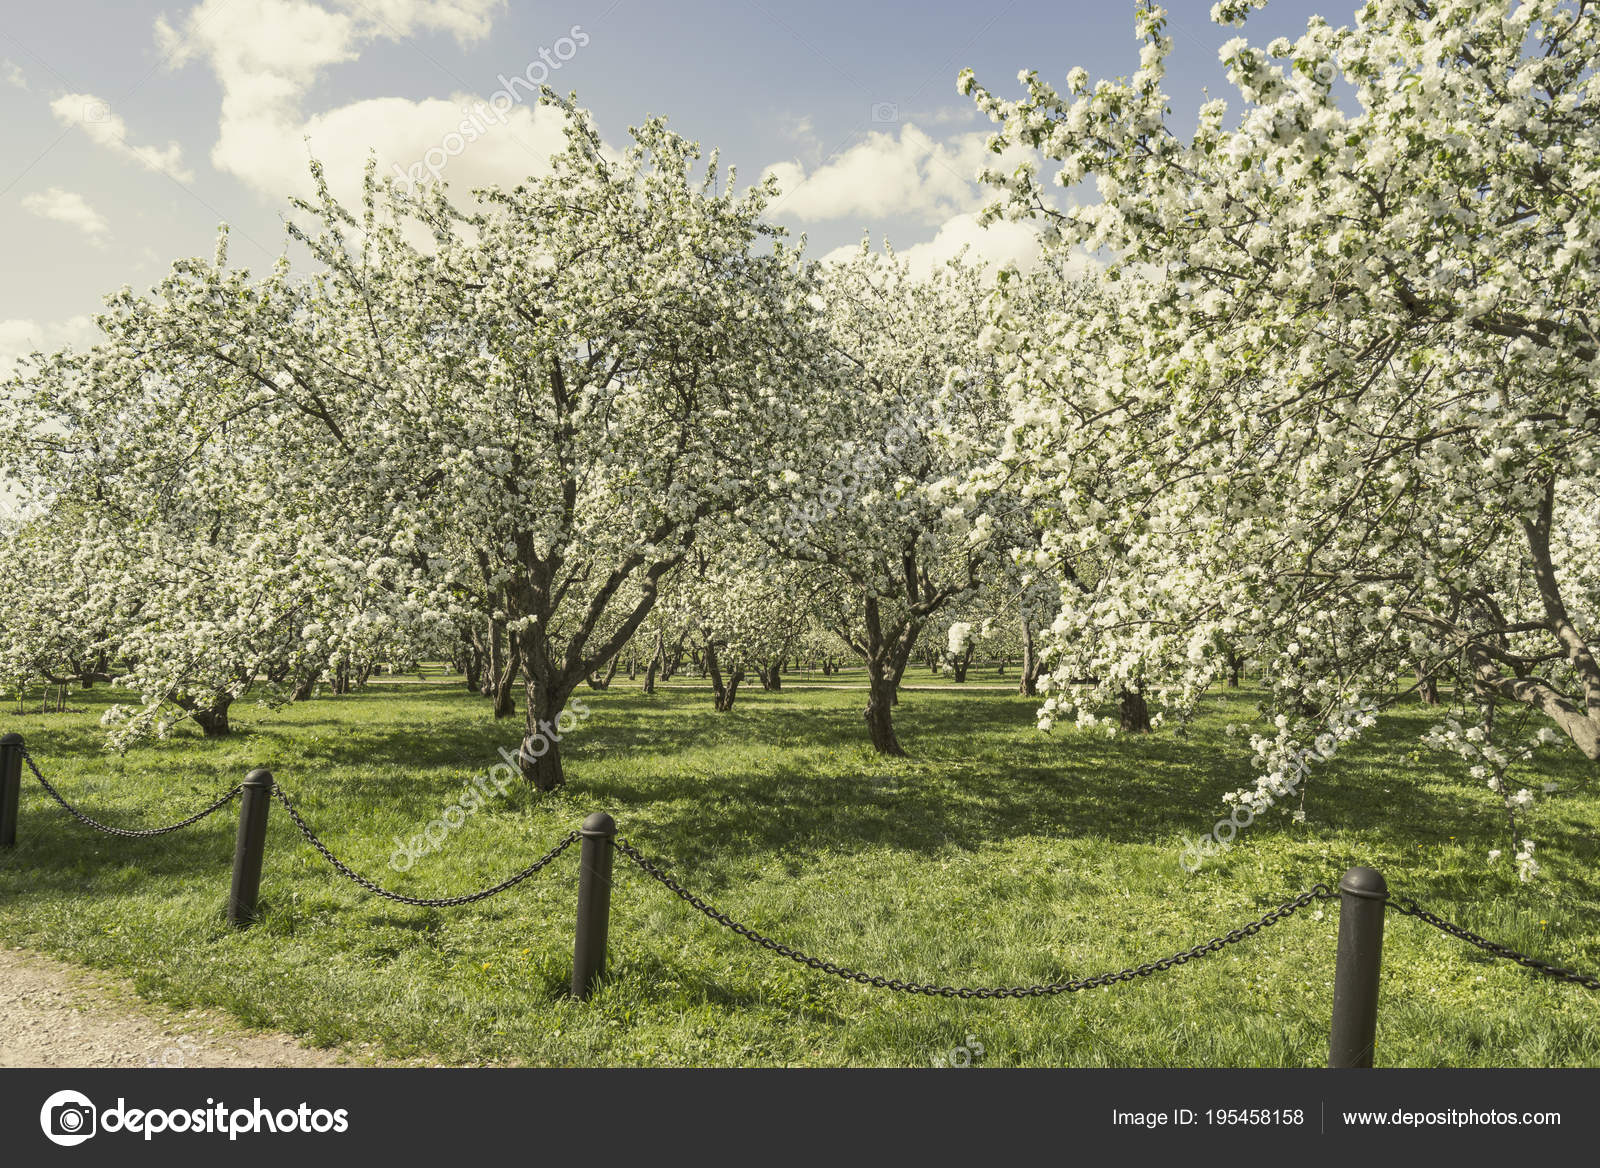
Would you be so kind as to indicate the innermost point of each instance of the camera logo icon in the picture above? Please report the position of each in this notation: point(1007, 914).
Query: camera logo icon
point(68, 1118)
point(885, 111)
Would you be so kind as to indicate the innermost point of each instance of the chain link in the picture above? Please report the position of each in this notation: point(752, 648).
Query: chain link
point(442, 902)
point(1407, 906)
point(126, 833)
point(1316, 892)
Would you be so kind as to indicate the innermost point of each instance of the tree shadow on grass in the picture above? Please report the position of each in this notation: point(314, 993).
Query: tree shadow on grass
point(786, 778)
point(54, 854)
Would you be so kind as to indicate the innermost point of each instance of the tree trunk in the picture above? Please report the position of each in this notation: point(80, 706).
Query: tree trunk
point(726, 696)
point(722, 694)
point(1427, 688)
point(880, 713)
point(540, 755)
point(505, 703)
point(774, 678)
point(1135, 712)
point(960, 665)
point(670, 662)
point(1028, 687)
point(306, 686)
point(1235, 663)
point(495, 667)
point(887, 653)
point(503, 682)
point(213, 721)
point(597, 682)
point(655, 664)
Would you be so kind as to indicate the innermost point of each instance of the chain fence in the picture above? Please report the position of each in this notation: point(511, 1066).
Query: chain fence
point(1216, 944)
point(1404, 905)
point(1407, 906)
point(305, 829)
point(127, 833)
point(346, 871)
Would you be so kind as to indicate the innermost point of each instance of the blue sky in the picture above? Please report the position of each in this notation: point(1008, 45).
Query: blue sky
point(132, 129)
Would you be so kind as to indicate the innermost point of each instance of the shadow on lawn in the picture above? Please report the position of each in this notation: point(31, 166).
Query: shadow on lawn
point(803, 783)
point(798, 797)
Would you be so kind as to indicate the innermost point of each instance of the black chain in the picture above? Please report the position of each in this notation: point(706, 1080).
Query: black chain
point(442, 902)
point(1407, 906)
point(1316, 892)
point(123, 831)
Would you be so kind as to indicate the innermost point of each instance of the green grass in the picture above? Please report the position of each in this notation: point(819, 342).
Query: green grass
point(995, 855)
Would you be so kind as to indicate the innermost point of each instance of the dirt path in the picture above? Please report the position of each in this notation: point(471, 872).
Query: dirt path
point(59, 1015)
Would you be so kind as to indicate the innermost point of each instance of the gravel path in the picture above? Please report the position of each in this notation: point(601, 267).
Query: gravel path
point(59, 1015)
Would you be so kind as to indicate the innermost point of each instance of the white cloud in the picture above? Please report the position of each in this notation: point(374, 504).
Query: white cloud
point(70, 208)
point(267, 54)
point(996, 245)
point(1000, 244)
point(95, 118)
point(911, 175)
point(18, 338)
point(13, 74)
point(466, 20)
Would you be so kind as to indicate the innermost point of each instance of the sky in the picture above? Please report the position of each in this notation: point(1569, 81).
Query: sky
point(132, 129)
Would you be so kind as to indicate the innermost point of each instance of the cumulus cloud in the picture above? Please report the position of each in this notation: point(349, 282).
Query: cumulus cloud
point(13, 74)
point(906, 174)
point(466, 20)
point(1001, 244)
point(996, 246)
point(18, 338)
point(267, 55)
point(104, 127)
point(70, 208)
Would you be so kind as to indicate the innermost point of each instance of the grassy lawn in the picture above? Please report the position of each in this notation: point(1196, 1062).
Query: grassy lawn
point(996, 855)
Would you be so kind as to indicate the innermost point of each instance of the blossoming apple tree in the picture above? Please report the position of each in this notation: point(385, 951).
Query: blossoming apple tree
point(910, 408)
point(1351, 374)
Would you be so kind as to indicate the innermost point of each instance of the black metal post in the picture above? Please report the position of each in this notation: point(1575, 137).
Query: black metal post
point(254, 803)
point(594, 902)
point(1362, 900)
point(10, 787)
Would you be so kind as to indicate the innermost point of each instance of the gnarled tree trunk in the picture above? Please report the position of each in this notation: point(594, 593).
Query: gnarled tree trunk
point(596, 681)
point(540, 754)
point(212, 719)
